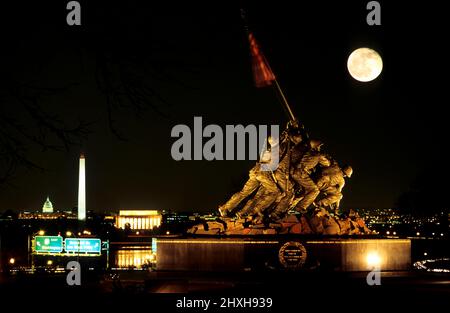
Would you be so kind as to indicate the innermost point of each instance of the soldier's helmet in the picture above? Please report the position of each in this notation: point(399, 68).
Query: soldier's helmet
point(315, 144)
point(293, 124)
point(347, 170)
point(295, 135)
point(273, 141)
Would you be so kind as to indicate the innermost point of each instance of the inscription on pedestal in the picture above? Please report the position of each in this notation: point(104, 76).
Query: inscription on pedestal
point(292, 255)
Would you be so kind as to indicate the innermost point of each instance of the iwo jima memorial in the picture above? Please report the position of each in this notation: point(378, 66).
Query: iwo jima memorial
point(286, 218)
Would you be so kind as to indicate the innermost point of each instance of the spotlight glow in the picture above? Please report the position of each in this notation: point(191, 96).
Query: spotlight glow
point(373, 260)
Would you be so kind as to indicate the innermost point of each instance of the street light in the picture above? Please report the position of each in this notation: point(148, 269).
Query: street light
point(12, 261)
point(41, 233)
point(68, 233)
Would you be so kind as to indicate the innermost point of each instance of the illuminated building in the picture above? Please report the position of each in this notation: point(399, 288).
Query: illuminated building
point(133, 258)
point(48, 206)
point(138, 219)
point(82, 190)
point(47, 213)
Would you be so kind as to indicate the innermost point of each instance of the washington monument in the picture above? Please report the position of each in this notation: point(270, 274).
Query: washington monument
point(82, 190)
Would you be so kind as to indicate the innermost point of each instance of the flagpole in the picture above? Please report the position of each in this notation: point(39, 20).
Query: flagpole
point(285, 103)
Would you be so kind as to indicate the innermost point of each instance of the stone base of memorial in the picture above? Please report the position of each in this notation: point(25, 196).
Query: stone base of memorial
point(282, 252)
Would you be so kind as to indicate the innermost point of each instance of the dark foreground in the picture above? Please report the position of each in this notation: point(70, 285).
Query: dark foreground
point(162, 291)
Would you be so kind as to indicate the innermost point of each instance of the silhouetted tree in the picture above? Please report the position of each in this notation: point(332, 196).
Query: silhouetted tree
point(123, 61)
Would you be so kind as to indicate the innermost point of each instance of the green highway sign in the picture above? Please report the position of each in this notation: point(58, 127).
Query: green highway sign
point(49, 244)
point(83, 245)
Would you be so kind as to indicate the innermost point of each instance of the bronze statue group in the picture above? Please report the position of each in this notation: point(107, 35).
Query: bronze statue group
point(306, 178)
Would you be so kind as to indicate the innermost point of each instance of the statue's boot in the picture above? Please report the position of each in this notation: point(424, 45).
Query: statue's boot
point(282, 207)
point(223, 212)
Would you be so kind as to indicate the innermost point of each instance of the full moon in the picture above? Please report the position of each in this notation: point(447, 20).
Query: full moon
point(364, 64)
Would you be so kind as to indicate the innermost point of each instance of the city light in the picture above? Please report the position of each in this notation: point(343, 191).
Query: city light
point(429, 265)
point(12, 261)
point(417, 234)
point(49, 262)
point(373, 260)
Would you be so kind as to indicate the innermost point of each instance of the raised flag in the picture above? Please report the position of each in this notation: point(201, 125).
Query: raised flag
point(262, 73)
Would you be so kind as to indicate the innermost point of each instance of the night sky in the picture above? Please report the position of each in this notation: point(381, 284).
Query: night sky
point(195, 58)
